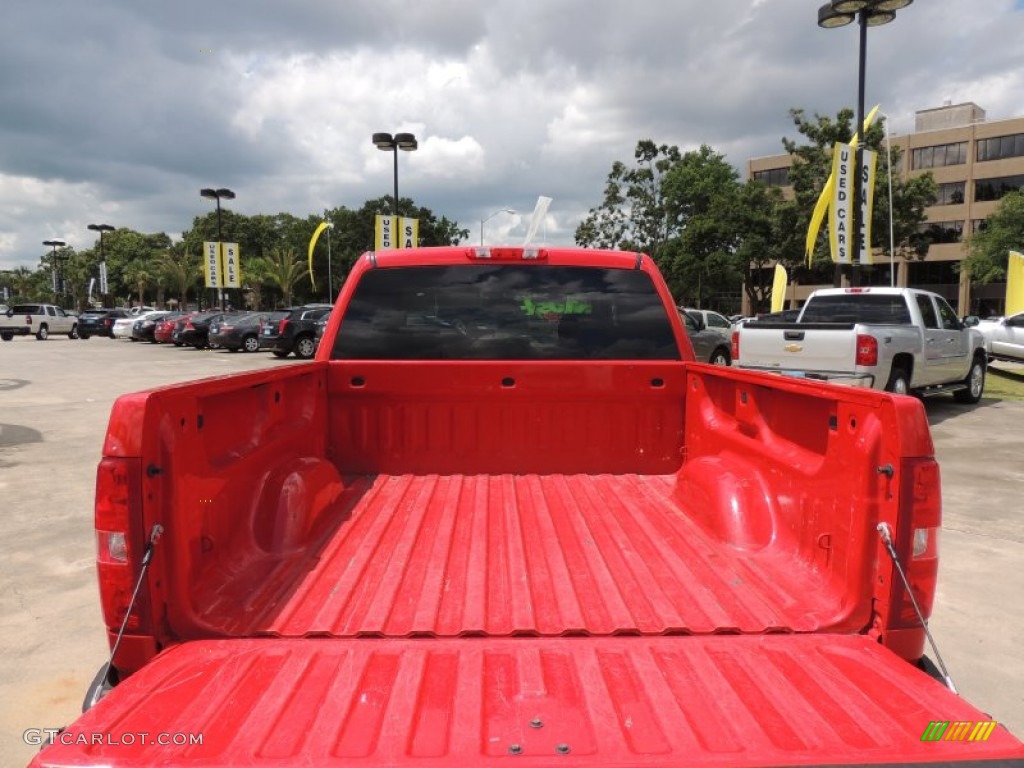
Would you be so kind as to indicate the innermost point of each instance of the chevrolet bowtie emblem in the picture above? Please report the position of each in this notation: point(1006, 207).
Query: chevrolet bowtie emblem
point(794, 348)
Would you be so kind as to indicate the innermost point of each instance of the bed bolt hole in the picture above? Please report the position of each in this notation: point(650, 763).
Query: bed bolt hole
point(562, 749)
point(508, 381)
point(358, 381)
point(277, 397)
point(657, 383)
point(514, 749)
point(743, 397)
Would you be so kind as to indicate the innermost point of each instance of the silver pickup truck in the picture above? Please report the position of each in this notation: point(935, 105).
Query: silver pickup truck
point(896, 339)
point(39, 320)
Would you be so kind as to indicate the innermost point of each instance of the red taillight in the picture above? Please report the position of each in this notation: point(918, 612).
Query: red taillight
point(28, 319)
point(867, 350)
point(189, 326)
point(282, 325)
point(917, 545)
point(735, 345)
point(118, 542)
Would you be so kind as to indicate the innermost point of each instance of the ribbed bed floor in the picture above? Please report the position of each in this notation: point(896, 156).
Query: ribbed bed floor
point(528, 555)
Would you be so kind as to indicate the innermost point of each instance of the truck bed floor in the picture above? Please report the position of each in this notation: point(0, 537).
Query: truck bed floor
point(451, 555)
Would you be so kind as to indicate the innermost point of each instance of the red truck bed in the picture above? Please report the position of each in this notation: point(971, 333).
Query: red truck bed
point(520, 554)
point(397, 561)
point(616, 701)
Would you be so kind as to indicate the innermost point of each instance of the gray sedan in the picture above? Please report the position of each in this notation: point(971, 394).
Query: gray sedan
point(709, 345)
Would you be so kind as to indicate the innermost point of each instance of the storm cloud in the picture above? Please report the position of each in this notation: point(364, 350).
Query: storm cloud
point(120, 111)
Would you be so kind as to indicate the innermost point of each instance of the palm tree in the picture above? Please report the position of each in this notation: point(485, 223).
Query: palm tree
point(283, 269)
point(180, 270)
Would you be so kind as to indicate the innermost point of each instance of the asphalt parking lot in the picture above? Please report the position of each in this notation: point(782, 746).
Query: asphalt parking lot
point(55, 398)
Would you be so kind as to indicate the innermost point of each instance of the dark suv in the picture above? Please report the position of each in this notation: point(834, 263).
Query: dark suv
point(293, 330)
point(98, 322)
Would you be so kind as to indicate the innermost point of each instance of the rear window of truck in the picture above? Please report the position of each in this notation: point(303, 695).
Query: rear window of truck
point(871, 309)
point(505, 312)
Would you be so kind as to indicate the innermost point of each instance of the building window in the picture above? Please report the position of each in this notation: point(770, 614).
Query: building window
point(773, 177)
point(923, 273)
point(940, 155)
point(995, 189)
point(1001, 146)
point(942, 231)
point(951, 193)
point(977, 225)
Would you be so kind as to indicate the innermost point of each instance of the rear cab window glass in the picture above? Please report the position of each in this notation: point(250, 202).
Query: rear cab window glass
point(26, 309)
point(870, 309)
point(505, 312)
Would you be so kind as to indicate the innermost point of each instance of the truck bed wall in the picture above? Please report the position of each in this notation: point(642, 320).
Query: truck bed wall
point(257, 472)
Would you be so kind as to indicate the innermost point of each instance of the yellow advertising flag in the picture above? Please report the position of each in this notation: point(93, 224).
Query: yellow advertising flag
point(384, 232)
point(779, 288)
point(867, 196)
point(841, 205)
point(312, 244)
point(1015, 284)
point(818, 216)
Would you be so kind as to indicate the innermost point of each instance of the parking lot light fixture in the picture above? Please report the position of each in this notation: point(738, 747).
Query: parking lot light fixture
point(868, 13)
point(385, 142)
point(218, 195)
point(488, 218)
point(55, 262)
point(101, 228)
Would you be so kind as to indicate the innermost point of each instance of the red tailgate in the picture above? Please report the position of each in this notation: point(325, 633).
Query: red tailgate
point(687, 700)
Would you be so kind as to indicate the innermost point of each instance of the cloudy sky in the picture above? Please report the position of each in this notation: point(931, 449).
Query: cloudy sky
point(119, 111)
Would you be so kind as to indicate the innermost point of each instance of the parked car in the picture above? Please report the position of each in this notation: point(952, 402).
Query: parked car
point(164, 327)
point(237, 332)
point(144, 328)
point(293, 330)
point(39, 320)
point(709, 346)
point(714, 321)
point(320, 326)
point(179, 327)
point(196, 331)
point(124, 326)
point(1004, 337)
point(99, 322)
point(902, 340)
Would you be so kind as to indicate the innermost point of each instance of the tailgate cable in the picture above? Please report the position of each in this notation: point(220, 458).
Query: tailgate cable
point(886, 534)
point(147, 558)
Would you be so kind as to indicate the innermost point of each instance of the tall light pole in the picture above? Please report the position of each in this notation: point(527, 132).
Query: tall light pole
point(217, 194)
point(892, 233)
point(868, 13)
point(385, 142)
point(101, 228)
point(488, 218)
point(330, 279)
point(58, 276)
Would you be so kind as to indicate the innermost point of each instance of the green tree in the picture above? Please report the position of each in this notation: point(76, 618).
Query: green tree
point(989, 248)
point(633, 215)
point(282, 269)
point(702, 195)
